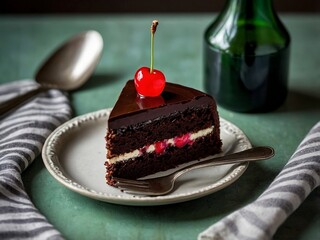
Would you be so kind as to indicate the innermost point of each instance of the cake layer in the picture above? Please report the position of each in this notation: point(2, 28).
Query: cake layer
point(120, 141)
point(150, 163)
point(161, 146)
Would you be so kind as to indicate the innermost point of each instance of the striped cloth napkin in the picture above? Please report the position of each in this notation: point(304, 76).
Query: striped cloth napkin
point(22, 135)
point(261, 218)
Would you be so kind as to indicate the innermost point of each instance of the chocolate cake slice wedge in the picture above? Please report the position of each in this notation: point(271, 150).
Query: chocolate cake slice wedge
point(153, 134)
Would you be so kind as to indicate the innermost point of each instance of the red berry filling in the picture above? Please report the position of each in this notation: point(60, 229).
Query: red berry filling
point(161, 146)
point(183, 140)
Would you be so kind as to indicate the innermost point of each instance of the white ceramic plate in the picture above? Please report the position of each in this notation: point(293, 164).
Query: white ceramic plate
point(74, 154)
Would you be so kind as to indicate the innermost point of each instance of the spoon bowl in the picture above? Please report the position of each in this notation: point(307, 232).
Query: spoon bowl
point(68, 68)
point(72, 63)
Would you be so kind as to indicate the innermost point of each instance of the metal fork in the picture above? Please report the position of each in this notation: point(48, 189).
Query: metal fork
point(164, 185)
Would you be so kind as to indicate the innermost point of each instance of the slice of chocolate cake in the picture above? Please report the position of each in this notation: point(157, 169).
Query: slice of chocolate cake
point(152, 134)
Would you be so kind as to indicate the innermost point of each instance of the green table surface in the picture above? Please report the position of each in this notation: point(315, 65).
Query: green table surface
point(27, 40)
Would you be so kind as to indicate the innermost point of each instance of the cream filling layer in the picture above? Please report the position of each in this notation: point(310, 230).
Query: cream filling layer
point(152, 147)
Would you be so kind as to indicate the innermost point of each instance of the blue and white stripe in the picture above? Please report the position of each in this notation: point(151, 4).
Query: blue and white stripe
point(22, 134)
point(261, 218)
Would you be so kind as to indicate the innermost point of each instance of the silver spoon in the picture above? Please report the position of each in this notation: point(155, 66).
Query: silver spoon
point(68, 68)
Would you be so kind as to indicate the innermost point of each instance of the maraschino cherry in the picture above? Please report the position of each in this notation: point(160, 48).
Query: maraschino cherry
point(150, 82)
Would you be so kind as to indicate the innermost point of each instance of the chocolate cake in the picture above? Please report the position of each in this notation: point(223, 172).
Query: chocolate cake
point(152, 134)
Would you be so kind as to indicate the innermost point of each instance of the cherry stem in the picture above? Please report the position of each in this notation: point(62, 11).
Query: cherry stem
point(153, 30)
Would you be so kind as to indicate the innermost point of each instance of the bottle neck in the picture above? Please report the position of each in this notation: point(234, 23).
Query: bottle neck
point(247, 27)
point(249, 11)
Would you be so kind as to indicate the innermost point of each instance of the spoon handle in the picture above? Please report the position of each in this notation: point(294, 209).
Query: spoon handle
point(16, 101)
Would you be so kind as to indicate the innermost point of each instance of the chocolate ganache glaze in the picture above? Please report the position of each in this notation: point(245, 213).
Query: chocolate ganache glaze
point(131, 108)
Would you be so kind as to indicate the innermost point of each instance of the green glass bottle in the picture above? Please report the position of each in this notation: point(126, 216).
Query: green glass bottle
point(246, 57)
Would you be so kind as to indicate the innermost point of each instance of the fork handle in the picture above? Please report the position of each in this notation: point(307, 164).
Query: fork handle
point(252, 154)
